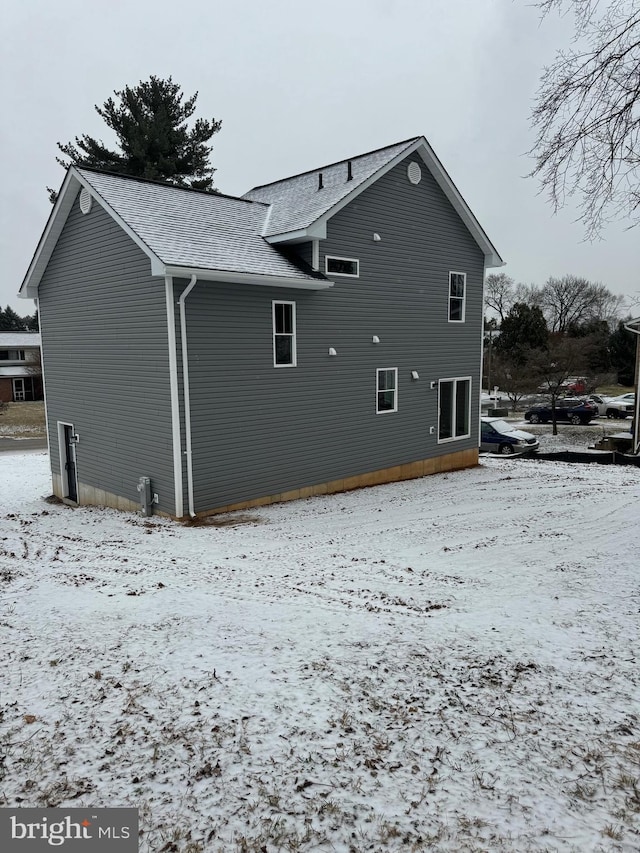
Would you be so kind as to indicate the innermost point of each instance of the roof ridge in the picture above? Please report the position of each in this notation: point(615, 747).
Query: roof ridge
point(140, 180)
point(337, 162)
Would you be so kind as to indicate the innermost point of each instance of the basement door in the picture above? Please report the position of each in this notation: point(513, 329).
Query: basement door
point(68, 441)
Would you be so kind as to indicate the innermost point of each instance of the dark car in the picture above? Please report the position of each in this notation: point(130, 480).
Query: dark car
point(498, 436)
point(567, 411)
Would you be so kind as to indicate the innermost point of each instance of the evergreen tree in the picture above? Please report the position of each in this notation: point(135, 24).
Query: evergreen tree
point(10, 321)
point(522, 330)
point(622, 348)
point(150, 122)
point(595, 335)
point(31, 322)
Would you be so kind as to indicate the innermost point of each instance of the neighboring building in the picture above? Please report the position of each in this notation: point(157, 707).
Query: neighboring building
point(321, 333)
point(20, 370)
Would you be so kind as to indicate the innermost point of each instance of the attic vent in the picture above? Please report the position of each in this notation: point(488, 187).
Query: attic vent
point(414, 172)
point(85, 201)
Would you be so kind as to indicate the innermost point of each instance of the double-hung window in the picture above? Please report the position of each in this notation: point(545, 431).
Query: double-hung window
point(454, 401)
point(284, 334)
point(457, 296)
point(386, 390)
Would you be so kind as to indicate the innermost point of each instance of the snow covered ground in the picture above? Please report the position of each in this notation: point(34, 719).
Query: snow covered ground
point(444, 664)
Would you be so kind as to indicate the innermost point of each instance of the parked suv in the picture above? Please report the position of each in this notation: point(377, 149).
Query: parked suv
point(569, 411)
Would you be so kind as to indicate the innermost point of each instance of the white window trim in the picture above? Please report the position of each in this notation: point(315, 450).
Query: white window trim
point(62, 451)
point(379, 370)
point(294, 348)
point(464, 298)
point(455, 380)
point(355, 261)
point(19, 382)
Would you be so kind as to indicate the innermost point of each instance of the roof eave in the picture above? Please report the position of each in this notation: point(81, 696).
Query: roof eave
point(241, 278)
point(68, 191)
point(317, 230)
point(48, 239)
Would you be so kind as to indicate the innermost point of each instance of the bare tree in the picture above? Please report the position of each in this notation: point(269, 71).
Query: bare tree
point(514, 377)
point(501, 294)
point(498, 293)
point(555, 365)
point(587, 114)
point(572, 300)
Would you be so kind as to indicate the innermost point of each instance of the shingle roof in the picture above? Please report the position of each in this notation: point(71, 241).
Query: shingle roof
point(19, 340)
point(297, 201)
point(225, 238)
point(193, 229)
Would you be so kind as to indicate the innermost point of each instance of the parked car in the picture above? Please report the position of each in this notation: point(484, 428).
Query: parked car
point(577, 384)
point(567, 410)
point(498, 436)
point(574, 384)
point(621, 407)
point(600, 401)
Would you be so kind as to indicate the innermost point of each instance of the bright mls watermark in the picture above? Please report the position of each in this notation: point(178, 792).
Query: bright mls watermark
point(73, 830)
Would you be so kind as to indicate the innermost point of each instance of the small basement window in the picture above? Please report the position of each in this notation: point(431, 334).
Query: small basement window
point(342, 266)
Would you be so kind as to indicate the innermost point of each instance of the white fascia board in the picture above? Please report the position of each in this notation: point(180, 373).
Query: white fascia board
point(117, 218)
point(68, 192)
point(633, 326)
point(318, 229)
point(491, 254)
point(49, 238)
point(247, 278)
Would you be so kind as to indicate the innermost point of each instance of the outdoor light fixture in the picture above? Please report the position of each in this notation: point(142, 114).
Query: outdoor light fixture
point(415, 374)
point(332, 351)
point(375, 339)
point(433, 385)
point(376, 238)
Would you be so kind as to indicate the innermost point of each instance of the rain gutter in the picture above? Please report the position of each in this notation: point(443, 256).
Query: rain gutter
point(186, 390)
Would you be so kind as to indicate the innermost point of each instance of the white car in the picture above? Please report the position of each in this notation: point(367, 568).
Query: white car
point(600, 401)
point(621, 407)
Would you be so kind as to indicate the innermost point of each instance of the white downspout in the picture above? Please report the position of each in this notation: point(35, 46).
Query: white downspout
point(185, 385)
point(175, 398)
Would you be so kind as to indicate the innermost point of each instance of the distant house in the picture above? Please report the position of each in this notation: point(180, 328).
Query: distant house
point(20, 371)
point(319, 334)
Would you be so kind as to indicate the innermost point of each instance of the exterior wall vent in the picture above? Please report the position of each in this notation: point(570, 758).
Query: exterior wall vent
point(85, 200)
point(414, 172)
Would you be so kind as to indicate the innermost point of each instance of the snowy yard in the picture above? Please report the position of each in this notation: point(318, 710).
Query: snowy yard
point(444, 664)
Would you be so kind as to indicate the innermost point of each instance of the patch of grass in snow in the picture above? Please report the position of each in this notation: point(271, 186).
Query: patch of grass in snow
point(23, 420)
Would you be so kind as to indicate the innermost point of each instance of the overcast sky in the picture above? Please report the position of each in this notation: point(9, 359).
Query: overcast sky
point(299, 85)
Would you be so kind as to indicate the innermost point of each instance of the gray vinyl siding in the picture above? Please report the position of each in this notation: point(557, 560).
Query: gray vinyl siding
point(259, 430)
point(304, 252)
point(105, 351)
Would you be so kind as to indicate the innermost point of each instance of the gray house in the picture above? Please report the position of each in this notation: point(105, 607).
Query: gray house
point(322, 333)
